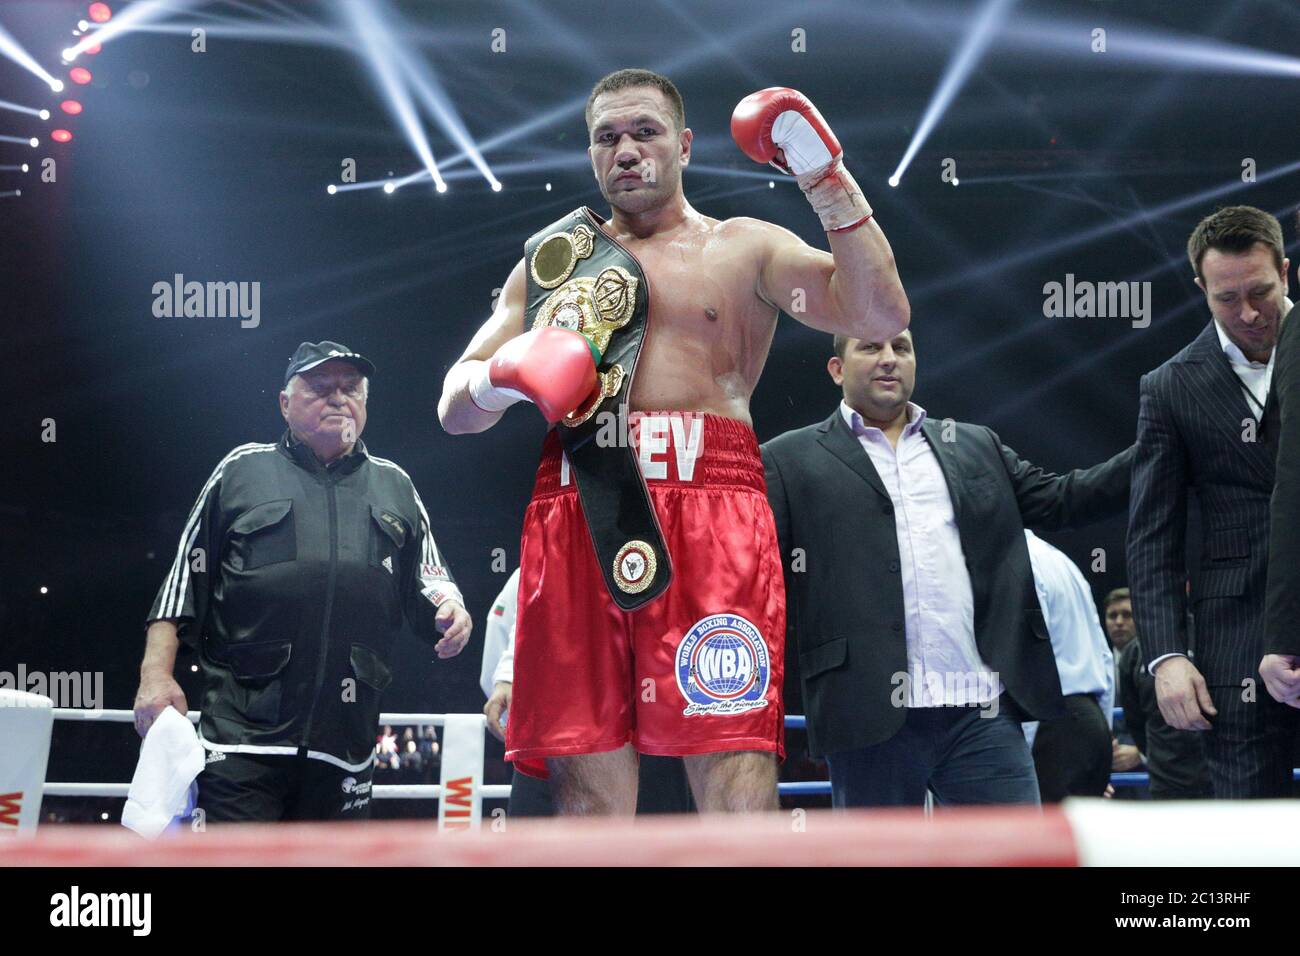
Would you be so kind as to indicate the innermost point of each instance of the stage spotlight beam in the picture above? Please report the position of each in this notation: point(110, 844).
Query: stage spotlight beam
point(11, 49)
point(1071, 240)
point(29, 110)
point(376, 42)
point(954, 77)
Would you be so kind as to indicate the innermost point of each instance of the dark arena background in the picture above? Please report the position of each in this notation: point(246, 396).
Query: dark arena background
point(293, 147)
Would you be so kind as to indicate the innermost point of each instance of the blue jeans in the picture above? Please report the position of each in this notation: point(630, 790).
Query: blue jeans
point(963, 757)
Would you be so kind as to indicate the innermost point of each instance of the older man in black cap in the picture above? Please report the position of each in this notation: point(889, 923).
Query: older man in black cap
point(295, 570)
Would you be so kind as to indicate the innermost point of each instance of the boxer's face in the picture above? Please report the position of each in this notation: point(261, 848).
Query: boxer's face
point(326, 407)
point(636, 151)
point(877, 377)
point(1119, 622)
point(1246, 293)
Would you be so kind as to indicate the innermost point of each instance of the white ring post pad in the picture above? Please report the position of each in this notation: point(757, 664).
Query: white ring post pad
point(26, 722)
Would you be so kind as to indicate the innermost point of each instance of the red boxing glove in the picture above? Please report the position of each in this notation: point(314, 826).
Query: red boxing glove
point(781, 126)
point(553, 368)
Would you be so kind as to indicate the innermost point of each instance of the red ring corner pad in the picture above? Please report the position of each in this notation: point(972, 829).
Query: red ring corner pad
point(956, 837)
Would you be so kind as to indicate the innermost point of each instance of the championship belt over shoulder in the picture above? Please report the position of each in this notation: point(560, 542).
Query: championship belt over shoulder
point(580, 279)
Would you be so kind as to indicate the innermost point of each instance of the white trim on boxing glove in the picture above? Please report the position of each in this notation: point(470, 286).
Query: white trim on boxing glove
point(487, 396)
point(800, 143)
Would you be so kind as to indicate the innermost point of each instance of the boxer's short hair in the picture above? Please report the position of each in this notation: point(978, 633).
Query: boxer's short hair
point(624, 79)
point(1119, 594)
point(1234, 229)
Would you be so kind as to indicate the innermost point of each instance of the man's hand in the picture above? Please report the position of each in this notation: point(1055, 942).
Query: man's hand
point(158, 690)
point(454, 624)
point(496, 706)
point(1182, 695)
point(1281, 673)
point(1124, 756)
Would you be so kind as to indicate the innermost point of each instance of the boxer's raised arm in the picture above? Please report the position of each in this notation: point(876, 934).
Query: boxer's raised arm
point(456, 410)
point(855, 291)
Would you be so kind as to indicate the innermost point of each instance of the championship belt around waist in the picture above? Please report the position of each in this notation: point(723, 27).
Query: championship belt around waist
point(582, 280)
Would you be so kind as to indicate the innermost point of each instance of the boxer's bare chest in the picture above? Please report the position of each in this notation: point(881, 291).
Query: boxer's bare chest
point(709, 330)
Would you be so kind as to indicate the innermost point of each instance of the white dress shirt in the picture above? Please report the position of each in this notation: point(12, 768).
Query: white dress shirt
point(943, 662)
point(1083, 658)
point(499, 637)
point(1256, 376)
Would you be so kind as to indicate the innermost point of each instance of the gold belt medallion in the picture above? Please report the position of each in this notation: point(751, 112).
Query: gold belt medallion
point(557, 256)
point(595, 307)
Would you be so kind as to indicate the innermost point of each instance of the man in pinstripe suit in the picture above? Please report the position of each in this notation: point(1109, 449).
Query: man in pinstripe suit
point(1280, 666)
point(1207, 423)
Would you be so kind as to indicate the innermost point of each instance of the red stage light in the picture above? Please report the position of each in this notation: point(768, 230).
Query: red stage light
point(60, 136)
point(92, 50)
point(80, 75)
point(100, 12)
point(71, 107)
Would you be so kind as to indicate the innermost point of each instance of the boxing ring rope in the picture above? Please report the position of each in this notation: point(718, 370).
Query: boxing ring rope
point(434, 791)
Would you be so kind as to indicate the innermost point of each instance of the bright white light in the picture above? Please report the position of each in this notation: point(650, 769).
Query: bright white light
point(57, 86)
point(496, 187)
point(45, 590)
point(548, 187)
point(893, 181)
point(44, 114)
point(83, 25)
point(103, 816)
point(771, 184)
point(11, 49)
point(389, 188)
point(35, 142)
point(194, 668)
point(377, 46)
point(985, 26)
point(956, 181)
point(442, 187)
point(331, 189)
point(68, 54)
point(25, 167)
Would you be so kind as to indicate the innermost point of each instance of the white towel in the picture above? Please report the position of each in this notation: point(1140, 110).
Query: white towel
point(170, 759)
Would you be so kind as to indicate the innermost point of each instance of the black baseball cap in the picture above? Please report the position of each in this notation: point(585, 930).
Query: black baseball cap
point(310, 354)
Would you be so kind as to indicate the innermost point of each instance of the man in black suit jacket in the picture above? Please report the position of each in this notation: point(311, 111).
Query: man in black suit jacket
point(1280, 666)
point(909, 590)
point(1207, 421)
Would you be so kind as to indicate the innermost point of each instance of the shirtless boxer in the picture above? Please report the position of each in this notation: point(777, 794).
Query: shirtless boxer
point(696, 672)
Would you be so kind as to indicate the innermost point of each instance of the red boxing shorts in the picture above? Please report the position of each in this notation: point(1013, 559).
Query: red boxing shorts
point(699, 669)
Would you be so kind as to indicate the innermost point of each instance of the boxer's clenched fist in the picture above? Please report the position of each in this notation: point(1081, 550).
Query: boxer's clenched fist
point(781, 126)
point(553, 368)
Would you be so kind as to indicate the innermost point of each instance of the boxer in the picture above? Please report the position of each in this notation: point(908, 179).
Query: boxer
point(696, 672)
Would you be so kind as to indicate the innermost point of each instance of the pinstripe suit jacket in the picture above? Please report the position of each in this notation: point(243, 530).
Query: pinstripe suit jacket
point(1194, 427)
